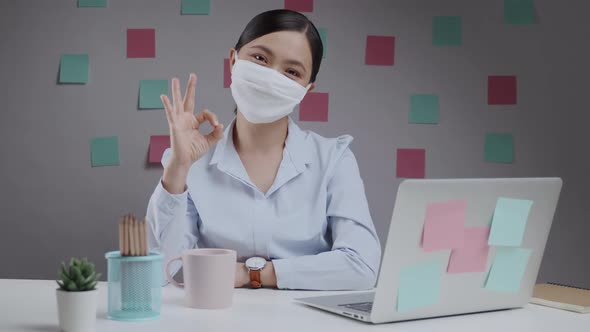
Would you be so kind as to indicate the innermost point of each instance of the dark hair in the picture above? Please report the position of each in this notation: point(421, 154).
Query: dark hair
point(284, 20)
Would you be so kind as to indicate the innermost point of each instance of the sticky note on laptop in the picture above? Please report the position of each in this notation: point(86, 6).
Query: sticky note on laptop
point(507, 269)
point(473, 256)
point(149, 93)
point(444, 225)
point(509, 221)
point(73, 68)
point(419, 285)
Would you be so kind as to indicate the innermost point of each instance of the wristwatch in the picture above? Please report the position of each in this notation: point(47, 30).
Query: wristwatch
point(254, 266)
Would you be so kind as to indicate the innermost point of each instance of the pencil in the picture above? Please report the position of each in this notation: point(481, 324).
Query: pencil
point(121, 243)
point(142, 237)
point(125, 236)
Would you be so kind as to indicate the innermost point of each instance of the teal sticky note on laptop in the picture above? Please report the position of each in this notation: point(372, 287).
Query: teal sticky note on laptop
point(104, 151)
point(423, 109)
point(507, 269)
point(419, 285)
point(509, 221)
point(519, 11)
point(73, 68)
point(195, 7)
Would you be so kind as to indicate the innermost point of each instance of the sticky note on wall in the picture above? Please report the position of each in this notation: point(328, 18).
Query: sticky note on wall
point(519, 11)
point(419, 285)
point(226, 73)
point(299, 5)
point(380, 50)
point(73, 68)
point(499, 148)
point(509, 221)
point(158, 144)
point(195, 7)
point(502, 90)
point(149, 93)
point(92, 3)
point(444, 224)
point(141, 43)
point(507, 269)
point(423, 109)
point(324, 37)
point(411, 163)
point(446, 31)
point(104, 151)
point(314, 107)
point(473, 256)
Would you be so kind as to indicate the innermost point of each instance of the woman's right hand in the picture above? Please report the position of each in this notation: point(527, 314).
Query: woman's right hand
point(187, 142)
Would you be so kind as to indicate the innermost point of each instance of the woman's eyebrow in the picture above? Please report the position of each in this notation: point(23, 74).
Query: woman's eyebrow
point(290, 61)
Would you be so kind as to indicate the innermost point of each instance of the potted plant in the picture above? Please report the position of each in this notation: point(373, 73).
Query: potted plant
point(77, 296)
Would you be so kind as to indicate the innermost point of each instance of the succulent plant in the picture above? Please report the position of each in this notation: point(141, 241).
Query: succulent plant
point(79, 276)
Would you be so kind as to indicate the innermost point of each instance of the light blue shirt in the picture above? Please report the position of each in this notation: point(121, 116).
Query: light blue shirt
point(313, 222)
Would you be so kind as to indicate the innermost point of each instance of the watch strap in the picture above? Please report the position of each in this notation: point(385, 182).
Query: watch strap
point(255, 281)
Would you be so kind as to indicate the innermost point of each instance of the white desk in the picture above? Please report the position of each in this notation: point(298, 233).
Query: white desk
point(30, 305)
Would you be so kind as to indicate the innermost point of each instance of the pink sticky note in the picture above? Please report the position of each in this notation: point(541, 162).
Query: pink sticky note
point(226, 73)
point(141, 43)
point(501, 90)
point(158, 143)
point(380, 50)
point(314, 107)
point(299, 5)
point(443, 225)
point(411, 163)
point(473, 257)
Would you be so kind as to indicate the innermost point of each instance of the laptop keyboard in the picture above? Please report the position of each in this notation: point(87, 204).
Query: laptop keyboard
point(361, 306)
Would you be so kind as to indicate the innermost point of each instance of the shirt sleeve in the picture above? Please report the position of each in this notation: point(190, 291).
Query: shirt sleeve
point(173, 221)
point(353, 262)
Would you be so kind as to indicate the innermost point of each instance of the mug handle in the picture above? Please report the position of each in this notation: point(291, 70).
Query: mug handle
point(169, 277)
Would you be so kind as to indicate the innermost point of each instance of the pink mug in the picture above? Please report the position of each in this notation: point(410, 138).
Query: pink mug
point(209, 276)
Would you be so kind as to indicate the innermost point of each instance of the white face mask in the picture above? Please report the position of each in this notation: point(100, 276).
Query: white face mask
point(262, 94)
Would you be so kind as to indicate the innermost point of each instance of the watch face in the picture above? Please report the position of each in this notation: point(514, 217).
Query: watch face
point(255, 263)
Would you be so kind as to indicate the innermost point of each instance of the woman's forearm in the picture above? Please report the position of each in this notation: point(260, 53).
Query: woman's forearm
point(174, 179)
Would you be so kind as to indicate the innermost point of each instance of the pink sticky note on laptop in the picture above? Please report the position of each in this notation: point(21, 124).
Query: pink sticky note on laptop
point(473, 257)
point(443, 225)
point(314, 107)
point(299, 5)
point(158, 143)
point(411, 163)
point(141, 43)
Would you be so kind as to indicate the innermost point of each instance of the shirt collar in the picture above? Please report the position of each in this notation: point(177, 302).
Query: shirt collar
point(297, 145)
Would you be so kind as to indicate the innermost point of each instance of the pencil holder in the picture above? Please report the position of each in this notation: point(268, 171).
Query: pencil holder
point(134, 286)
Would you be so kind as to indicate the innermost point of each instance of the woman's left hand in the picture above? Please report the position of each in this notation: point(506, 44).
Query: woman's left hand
point(242, 277)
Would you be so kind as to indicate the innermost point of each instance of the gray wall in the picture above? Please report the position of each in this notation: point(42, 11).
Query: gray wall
point(54, 205)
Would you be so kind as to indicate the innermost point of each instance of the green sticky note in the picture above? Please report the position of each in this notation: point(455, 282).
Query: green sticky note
point(73, 68)
point(446, 31)
point(149, 93)
point(519, 11)
point(499, 148)
point(92, 3)
point(423, 109)
point(324, 37)
point(509, 221)
point(104, 151)
point(419, 285)
point(195, 7)
point(507, 269)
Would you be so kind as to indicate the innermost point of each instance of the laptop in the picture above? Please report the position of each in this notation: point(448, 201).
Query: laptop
point(457, 293)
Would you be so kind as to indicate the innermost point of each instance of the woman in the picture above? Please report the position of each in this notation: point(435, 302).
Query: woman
point(290, 202)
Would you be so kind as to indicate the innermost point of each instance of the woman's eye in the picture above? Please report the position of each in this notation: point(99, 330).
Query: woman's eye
point(259, 58)
point(293, 72)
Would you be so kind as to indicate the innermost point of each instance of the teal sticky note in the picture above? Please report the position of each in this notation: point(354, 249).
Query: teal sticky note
point(324, 37)
point(509, 221)
point(423, 109)
point(73, 68)
point(446, 31)
point(519, 11)
point(104, 151)
point(419, 285)
point(92, 3)
point(499, 148)
point(149, 93)
point(507, 269)
point(195, 7)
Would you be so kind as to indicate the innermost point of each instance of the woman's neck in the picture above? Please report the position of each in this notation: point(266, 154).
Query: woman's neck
point(259, 138)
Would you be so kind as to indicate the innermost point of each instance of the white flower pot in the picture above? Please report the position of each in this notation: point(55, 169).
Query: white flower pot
point(77, 310)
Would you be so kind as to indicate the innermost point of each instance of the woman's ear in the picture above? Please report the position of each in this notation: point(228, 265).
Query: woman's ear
point(311, 87)
point(232, 57)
